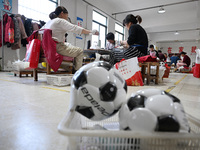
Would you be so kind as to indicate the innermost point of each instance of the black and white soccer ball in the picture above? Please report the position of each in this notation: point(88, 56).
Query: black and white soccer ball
point(153, 110)
point(97, 91)
point(162, 64)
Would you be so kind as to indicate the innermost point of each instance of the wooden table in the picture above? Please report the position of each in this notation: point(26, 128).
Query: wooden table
point(93, 51)
point(100, 51)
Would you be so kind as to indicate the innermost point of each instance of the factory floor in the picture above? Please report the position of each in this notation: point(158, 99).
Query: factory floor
point(31, 111)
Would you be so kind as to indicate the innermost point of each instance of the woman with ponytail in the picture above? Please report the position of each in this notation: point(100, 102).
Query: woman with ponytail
point(60, 25)
point(137, 43)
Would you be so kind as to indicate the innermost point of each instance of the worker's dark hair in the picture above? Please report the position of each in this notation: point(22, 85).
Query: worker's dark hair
point(133, 19)
point(110, 36)
point(60, 9)
point(183, 53)
point(151, 46)
point(52, 15)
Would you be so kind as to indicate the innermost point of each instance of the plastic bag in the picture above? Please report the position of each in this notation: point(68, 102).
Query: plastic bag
point(33, 53)
point(20, 65)
point(130, 71)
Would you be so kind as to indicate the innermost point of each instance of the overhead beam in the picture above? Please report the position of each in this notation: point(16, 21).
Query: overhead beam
point(197, 29)
point(128, 11)
point(101, 11)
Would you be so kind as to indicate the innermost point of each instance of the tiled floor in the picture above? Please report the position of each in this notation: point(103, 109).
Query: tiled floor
point(31, 111)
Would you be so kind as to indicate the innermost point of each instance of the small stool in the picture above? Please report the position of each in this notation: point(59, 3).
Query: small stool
point(148, 74)
point(88, 60)
point(23, 72)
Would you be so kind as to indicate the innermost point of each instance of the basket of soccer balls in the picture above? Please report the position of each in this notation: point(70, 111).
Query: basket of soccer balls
point(101, 117)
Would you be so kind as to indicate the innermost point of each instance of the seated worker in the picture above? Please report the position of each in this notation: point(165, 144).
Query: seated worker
point(167, 58)
point(52, 15)
point(161, 56)
point(111, 44)
point(185, 60)
point(110, 37)
point(137, 42)
point(60, 26)
point(174, 59)
point(152, 51)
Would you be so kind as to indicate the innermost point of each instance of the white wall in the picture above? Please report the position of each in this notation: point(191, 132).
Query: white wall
point(78, 8)
point(14, 6)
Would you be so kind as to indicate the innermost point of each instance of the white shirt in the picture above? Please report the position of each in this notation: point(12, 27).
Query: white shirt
point(59, 27)
point(109, 46)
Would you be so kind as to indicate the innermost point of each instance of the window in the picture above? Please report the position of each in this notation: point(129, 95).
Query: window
point(37, 9)
point(99, 23)
point(119, 32)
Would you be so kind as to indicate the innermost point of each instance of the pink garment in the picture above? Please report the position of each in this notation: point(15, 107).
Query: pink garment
point(153, 54)
point(49, 46)
point(180, 64)
point(67, 58)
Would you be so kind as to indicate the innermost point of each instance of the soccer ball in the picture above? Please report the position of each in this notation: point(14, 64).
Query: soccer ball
point(150, 92)
point(162, 64)
point(153, 110)
point(97, 91)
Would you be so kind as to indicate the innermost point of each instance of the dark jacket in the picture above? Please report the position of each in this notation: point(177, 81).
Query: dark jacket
point(138, 36)
point(161, 56)
point(17, 33)
point(28, 27)
point(187, 60)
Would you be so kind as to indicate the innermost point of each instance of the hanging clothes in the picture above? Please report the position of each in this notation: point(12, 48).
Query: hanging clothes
point(35, 26)
point(23, 35)
point(42, 23)
point(28, 27)
point(23, 18)
point(1, 33)
point(17, 33)
point(8, 30)
point(22, 29)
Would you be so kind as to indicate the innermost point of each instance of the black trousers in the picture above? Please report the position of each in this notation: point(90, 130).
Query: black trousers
point(118, 54)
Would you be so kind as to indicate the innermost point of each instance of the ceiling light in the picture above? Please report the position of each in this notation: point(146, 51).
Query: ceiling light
point(176, 33)
point(161, 10)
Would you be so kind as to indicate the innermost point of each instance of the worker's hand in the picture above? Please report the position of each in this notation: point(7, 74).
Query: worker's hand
point(95, 32)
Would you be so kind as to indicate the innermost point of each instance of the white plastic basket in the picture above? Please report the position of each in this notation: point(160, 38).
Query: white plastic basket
point(81, 135)
point(59, 79)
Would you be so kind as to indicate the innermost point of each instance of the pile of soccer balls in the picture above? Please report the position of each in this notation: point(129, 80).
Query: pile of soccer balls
point(153, 110)
point(99, 92)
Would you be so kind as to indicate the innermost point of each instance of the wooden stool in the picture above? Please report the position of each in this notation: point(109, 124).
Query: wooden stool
point(87, 60)
point(23, 72)
point(146, 73)
point(48, 71)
